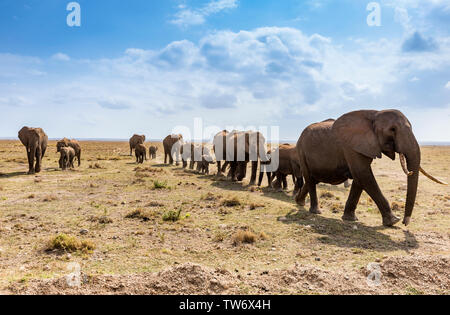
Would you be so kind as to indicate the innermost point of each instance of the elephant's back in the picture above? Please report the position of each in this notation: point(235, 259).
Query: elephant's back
point(320, 152)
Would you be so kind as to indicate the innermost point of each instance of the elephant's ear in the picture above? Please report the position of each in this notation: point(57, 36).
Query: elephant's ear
point(355, 130)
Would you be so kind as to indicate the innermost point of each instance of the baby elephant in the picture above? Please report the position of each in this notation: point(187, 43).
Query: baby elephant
point(152, 150)
point(203, 166)
point(66, 158)
point(141, 153)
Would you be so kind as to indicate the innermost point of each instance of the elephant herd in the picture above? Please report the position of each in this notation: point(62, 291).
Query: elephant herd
point(331, 152)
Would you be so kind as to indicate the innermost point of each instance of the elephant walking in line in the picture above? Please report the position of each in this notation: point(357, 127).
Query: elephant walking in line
point(70, 143)
point(135, 140)
point(289, 164)
point(220, 151)
point(141, 153)
point(334, 151)
point(35, 140)
point(242, 148)
point(152, 152)
point(67, 155)
point(172, 146)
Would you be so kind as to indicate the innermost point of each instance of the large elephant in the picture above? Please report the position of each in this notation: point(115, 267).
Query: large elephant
point(67, 155)
point(242, 148)
point(220, 150)
point(172, 146)
point(289, 164)
point(334, 151)
point(134, 140)
point(35, 140)
point(70, 143)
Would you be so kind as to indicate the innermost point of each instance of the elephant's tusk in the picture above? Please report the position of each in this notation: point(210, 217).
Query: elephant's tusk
point(403, 163)
point(432, 178)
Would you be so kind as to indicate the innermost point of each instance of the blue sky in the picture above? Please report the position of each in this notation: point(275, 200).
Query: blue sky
point(148, 66)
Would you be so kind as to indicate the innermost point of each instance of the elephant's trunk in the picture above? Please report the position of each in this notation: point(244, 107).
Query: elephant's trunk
point(413, 165)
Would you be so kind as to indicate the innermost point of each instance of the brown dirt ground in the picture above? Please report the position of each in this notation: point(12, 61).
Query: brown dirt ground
point(294, 252)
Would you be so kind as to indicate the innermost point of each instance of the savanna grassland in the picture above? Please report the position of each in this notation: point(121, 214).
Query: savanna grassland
point(155, 229)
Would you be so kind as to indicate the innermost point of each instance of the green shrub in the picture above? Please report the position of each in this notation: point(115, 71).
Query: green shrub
point(172, 216)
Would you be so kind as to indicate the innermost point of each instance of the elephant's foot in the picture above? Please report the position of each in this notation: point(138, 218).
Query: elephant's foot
point(315, 210)
point(349, 217)
point(390, 220)
point(300, 202)
point(31, 172)
point(252, 183)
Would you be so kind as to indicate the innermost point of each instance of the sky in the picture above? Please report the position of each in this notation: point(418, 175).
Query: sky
point(146, 67)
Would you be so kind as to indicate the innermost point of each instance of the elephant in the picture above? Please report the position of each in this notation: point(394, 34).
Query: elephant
point(141, 153)
point(220, 151)
point(134, 140)
point(187, 152)
point(289, 164)
point(67, 155)
point(35, 140)
point(204, 164)
point(335, 151)
point(242, 148)
point(70, 143)
point(172, 145)
point(152, 152)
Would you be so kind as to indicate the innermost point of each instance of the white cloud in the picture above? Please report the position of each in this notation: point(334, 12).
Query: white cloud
point(265, 76)
point(187, 17)
point(447, 86)
point(61, 57)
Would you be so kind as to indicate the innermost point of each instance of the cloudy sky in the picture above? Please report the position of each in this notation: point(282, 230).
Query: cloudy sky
point(144, 66)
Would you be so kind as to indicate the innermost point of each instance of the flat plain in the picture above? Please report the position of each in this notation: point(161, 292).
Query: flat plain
point(158, 229)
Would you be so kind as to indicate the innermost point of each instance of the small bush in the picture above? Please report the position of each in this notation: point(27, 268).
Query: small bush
point(139, 214)
point(232, 202)
point(159, 185)
point(70, 244)
point(242, 236)
point(172, 216)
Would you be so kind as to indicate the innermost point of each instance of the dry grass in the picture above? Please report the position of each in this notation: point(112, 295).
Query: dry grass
point(244, 237)
point(213, 211)
point(69, 244)
point(232, 202)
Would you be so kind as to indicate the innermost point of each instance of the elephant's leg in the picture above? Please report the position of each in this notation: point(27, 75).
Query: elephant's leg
point(184, 162)
point(254, 171)
point(165, 157)
point(285, 184)
point(363, 175)
point(313, 197)
point(261, 175)
point(219, 169)
point(352, 202)
point(191, 164)
point(224, 167)
point(301, 196)
point(79, 158)
point(233, 171)
point(299, 184)
point(38, 153)
point(60, 162)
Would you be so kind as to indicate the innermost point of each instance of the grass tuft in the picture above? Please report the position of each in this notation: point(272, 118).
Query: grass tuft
point(172, 216)
point(242, 236)
point(69, 244)
point(232, 202)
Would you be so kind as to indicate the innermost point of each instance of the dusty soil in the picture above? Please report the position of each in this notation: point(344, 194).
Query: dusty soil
point(293, 252)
